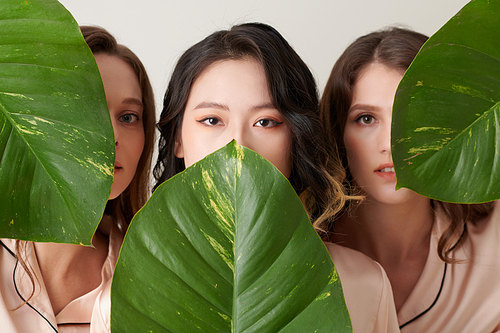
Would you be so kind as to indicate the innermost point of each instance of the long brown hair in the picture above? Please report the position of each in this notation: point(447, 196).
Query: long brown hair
point(395, 48)
point(122, 208)
point(293, 92)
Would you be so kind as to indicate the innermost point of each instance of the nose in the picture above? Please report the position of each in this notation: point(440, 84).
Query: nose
point(241, 136)
point(385, 138)
point(116, 133)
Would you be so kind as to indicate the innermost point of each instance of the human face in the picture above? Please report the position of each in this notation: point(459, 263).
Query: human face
point(230, 100)
point(124, 98)
point(367, 134)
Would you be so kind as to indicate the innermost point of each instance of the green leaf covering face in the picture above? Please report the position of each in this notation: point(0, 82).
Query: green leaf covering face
point(55, 133)
point(226, 246)
point(124, 99)
point(445, 133)
point(230, 100)
point(367, 134)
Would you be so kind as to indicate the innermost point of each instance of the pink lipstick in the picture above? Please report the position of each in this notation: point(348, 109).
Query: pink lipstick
point(386, 172)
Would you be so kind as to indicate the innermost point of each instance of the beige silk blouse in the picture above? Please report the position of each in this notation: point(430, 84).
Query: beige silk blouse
point(468, 301)
point(37, 315)
point(366, 288)
point(367, 291)
point(469, 298)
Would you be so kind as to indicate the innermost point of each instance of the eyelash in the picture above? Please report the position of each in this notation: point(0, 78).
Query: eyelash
point(208, 121)
point(360, 119)
point(133, 115)
point(271, 121)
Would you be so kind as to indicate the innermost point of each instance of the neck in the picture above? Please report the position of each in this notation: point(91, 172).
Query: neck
point(387, 232)
point(70, 270)
point(397, 236)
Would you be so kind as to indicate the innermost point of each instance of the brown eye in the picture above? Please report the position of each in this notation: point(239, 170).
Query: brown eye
point(267, 123)
point(210, 121)
point(366, 119)
point(264, 122)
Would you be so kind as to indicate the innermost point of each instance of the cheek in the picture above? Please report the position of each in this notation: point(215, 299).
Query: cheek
point(137, 147)
point(282, 160)
point(356, 152)
point(196, 143)
point(279, 152)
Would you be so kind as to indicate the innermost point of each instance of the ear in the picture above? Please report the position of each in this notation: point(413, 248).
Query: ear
point(178, 150)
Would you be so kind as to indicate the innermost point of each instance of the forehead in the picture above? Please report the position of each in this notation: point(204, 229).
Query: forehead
point(117, 74)
point(376, 85)
point(235, 80)
point(226, 66)
point(112, 63)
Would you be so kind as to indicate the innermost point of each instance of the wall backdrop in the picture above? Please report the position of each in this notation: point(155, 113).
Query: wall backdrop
point(159, 31)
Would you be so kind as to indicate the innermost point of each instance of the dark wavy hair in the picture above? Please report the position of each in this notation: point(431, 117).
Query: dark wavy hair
point(395, 48)
point(293, 92)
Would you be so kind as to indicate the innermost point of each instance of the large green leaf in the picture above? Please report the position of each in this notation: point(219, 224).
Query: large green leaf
point(226, 246)
point(56, 146)
point(446, 117)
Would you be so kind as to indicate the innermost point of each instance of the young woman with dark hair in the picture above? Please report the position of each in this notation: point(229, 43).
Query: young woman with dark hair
point(248, 84)
point(49, 287)
point(292, 91)
point(443, 259)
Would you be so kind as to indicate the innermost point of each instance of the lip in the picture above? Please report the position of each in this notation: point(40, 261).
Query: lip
point(118, 166)
point(389, 176)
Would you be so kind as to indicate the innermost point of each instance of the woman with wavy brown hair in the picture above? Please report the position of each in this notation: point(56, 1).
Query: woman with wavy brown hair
point(50, 287)
point(443, 259)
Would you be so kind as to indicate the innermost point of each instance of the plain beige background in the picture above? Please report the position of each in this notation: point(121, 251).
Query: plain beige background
point(159, 31)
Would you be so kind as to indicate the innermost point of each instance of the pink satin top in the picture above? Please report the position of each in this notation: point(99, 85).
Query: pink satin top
point(465, 297)
point(37, 314)
point(367, 291)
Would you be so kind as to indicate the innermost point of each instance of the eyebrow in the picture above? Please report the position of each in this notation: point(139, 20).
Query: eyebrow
point(364, 107)
point(211, 105)
point(224, 107)
point(264, 106)
point(133, 101)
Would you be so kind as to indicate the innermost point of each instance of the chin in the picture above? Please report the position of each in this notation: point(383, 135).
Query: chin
point(392, 197)
point(115, 193)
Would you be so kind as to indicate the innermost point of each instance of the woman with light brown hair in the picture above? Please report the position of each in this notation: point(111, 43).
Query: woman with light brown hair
point(51, 287)
point(443, 259)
